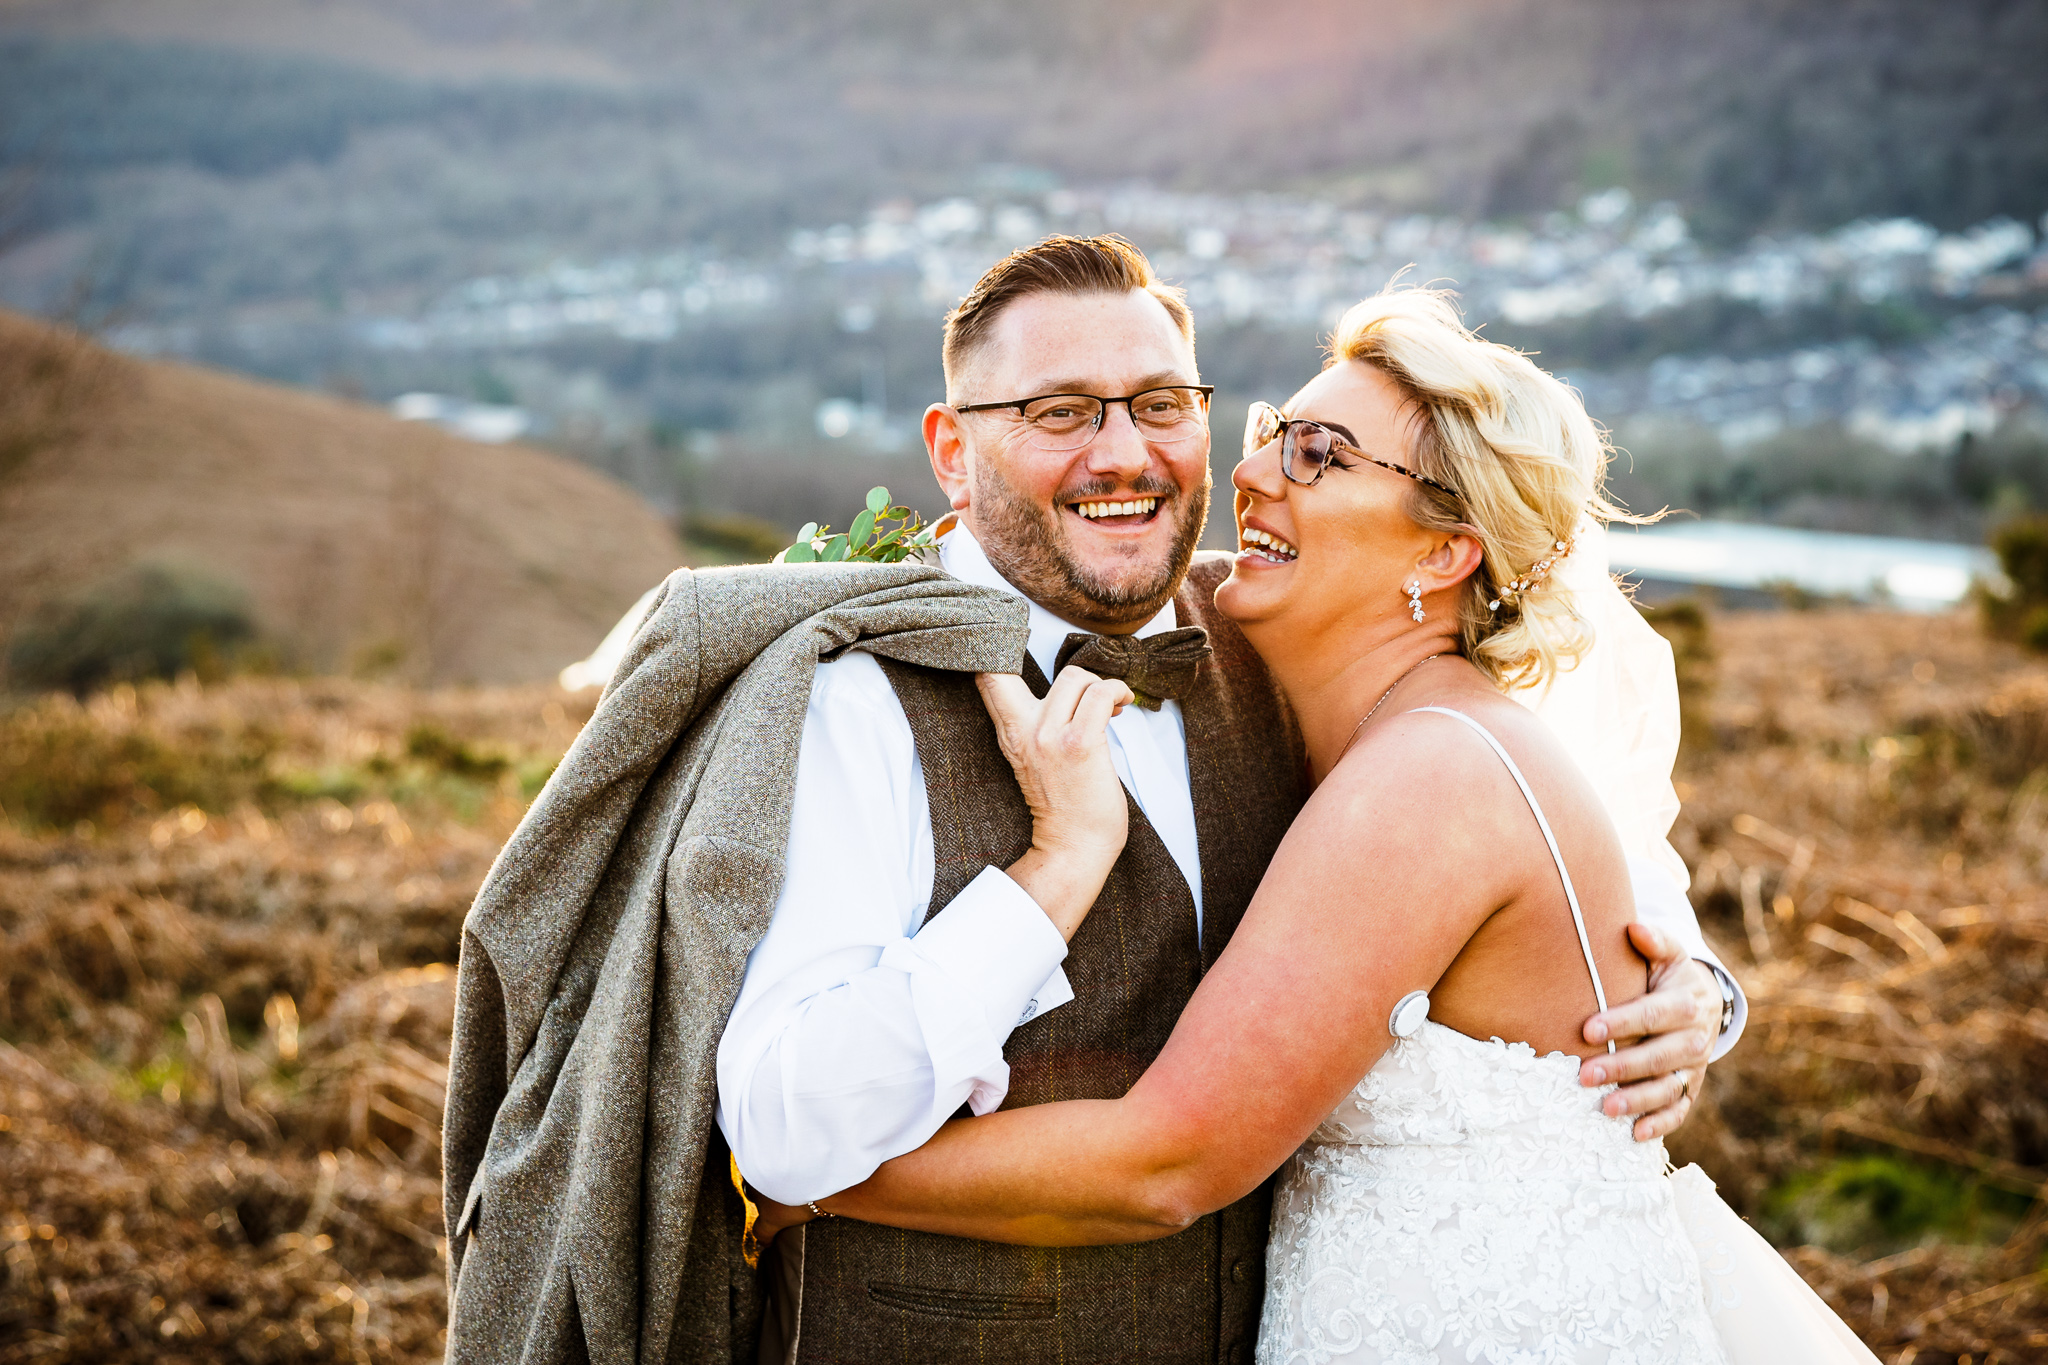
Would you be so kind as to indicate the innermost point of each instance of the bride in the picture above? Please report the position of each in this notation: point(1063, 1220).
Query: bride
point(1453, 882)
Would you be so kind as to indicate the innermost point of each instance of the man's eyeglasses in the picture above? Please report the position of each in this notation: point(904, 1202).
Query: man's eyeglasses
point(1068, 421)
point(1306, 447)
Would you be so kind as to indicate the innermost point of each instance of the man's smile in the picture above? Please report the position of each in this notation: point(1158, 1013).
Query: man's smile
point(1117, 512)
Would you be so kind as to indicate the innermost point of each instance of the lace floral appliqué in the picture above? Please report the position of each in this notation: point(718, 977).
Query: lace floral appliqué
point(1469, 1202)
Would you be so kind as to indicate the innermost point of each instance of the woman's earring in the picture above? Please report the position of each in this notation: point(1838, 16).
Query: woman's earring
point(1415, 600)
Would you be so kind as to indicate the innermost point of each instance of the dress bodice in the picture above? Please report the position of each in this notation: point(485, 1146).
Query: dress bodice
point(1468, 1201)
point(1455, 1107)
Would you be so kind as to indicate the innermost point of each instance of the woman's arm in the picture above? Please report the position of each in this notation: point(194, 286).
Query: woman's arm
point(1387, 873)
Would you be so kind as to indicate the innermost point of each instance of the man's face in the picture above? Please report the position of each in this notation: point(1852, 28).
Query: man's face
point(1025, 503)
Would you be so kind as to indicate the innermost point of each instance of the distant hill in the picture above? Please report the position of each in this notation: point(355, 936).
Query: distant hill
point(362, 543)
point(182, 155)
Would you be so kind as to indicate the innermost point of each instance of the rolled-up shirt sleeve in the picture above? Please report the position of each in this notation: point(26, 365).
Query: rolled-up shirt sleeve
point(1662, 904)
point(859, 1028)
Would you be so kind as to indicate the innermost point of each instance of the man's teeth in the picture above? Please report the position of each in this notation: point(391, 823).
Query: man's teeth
point(1137, 507)
point(1267, 545)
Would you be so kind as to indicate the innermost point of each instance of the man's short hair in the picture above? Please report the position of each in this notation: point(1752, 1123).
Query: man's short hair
point(1057, 265)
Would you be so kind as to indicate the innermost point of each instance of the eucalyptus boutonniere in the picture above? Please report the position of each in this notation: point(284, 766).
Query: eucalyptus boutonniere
point(872, 539)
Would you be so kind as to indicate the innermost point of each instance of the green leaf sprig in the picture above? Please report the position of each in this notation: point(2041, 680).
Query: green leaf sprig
point(871, 539)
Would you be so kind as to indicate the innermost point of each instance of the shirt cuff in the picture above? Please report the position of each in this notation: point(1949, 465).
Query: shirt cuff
point(1733, 1033)
point(992, 958)
point(994, 935)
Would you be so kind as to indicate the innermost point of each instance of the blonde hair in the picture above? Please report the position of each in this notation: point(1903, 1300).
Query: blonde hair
point(1526, 460)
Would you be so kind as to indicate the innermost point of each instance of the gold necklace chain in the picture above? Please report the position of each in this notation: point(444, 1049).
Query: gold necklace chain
point(1378, 704)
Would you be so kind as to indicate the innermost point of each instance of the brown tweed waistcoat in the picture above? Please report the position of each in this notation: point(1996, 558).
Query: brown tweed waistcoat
point(872, 1294)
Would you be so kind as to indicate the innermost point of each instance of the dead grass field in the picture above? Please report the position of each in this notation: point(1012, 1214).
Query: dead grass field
point(227, 916)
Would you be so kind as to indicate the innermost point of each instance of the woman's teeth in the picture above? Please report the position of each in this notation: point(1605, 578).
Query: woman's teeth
point(1267, 546)
point(1136, 507)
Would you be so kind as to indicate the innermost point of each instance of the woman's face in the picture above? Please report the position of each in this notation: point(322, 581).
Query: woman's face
point(1347, 547)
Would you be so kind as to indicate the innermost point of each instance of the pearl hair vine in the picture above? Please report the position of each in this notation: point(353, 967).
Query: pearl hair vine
point(1520, 586)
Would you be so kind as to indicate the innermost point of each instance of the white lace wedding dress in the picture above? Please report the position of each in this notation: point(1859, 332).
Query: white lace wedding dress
point(1468, 1202)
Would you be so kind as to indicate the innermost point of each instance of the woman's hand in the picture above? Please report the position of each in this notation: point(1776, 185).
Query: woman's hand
point(1080, 818)
point(772, 1218)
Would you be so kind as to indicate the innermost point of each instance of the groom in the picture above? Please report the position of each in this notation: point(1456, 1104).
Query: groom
point(907, 974)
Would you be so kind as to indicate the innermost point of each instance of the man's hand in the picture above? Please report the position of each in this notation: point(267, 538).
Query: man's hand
point(1663, 1039)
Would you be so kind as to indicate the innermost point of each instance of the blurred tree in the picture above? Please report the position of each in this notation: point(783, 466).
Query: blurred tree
point(2021, 612)
point(150, 621)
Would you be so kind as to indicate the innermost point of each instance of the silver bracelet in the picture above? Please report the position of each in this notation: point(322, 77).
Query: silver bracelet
point(817, 1212)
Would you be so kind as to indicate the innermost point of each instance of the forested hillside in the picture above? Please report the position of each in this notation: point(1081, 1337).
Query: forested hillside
point(199, 173)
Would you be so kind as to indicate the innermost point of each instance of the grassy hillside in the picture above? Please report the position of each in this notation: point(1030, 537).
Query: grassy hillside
point(228, 914)
point(358, 541)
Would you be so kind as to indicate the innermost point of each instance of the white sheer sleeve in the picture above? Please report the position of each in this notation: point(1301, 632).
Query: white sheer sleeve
point(1617, 710)
point(1617, 713)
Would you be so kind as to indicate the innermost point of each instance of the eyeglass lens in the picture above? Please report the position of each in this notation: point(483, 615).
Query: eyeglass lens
point(1304, 453)
point(1069, 421)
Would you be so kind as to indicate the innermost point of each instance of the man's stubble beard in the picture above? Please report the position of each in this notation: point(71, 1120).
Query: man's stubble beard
point(1027, 544)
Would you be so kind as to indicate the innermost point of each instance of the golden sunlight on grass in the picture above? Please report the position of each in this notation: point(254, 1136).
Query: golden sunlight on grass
point(228, 917)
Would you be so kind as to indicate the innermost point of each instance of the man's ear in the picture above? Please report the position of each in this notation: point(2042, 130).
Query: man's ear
point(946, 442)
point(1452, 562)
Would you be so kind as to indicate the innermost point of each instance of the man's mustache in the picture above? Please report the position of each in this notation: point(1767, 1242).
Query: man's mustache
point(1145, 485)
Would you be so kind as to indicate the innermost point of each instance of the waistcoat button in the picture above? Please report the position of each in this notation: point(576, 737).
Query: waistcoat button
point(1238, 1270)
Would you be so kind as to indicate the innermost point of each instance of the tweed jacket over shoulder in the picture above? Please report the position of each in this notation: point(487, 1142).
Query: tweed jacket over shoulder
point(591, 1214)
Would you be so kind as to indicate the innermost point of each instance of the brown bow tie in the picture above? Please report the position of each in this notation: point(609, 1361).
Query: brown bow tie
point(1158, 668)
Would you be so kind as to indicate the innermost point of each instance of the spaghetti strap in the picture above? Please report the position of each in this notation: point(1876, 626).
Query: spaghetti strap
point(1571, 894)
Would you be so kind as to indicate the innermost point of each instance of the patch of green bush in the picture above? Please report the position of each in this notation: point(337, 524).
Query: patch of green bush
point(150, 621)
point(2021, 611)
point(1878, 1204)
point(730, 538)
point(432, 745)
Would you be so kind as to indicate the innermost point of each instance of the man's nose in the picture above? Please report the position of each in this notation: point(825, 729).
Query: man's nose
point(1118, 449)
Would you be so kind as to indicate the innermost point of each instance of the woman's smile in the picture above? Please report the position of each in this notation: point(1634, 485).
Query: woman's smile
point(1257, 545)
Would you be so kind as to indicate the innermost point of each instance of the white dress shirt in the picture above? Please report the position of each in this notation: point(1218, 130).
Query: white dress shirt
point(857, 1033)
point(861, 1027)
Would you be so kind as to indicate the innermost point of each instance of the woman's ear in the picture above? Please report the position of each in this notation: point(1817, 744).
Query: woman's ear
point(1451, 563)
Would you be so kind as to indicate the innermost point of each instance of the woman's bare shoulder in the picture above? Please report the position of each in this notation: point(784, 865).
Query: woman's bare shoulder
point(1425, 735)
point(1422, 785)
point(1415, 804)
